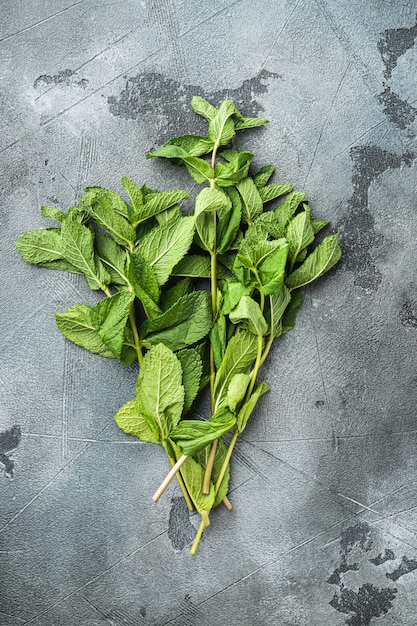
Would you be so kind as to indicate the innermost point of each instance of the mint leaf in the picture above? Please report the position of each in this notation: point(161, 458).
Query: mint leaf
point(263, 175)
point(221, 126)
point(239, 356)
point(199, 169)
point(228, 174)
point(323, 258)
point(109, 317)
point(270, 192)
point(160, 201)
point(164, 246)
point(200, 106)
point(76, 325)
point(40, 246)
point(278, 304)
point(113, 257)
point(299, 233)
point(286, 209)
point(136, 196)
point(172, 295)
point(193, 435)
point(290, 314)
point(237, 391)
point(114, 202)
point(100, 207)
point(159, 391)
point(185, 323)
point(252, 204)
point(249, 312)
point(317, 225)
point(51, 213)
point(193, 475)
point(131, 421)
point(229, 219)
point(194, 145)
point(78, 249)
point(218, 339)
point(192, 370)
point(144, 283)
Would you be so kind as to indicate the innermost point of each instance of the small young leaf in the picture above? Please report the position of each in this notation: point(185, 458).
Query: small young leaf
point(286, 209)
point(135, 194)
point(164, 246)
point(252, 204)
point(228, 223)
point(317, 225)
point(132, 422)
point(100, 207)
point(263, 175)
point(76, 325)
point(51, 213)
point(198, 168)
point(109, 317)
point(278, 304)
point(114, 258)
point(78, 249)
point(113, 200)
point(249, 312)
point(246, 411)
point(221, 126)
point(192, 370)
point(237, 391)
point(299, 233)
point(193, 435)
point(239, 356)
point(159, 391)
point(200, 106)
point(209, 200)
point(324, 257)
point(143, 280)
point(185, 323)
point(233, 291)
point(194, 145)
point(228, 174)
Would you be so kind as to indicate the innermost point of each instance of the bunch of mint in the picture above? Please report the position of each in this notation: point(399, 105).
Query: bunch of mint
point(150, 260)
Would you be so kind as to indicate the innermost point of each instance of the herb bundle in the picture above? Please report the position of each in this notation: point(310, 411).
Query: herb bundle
point(252, 241)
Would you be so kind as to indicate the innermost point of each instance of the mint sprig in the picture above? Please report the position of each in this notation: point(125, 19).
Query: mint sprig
point(250, 240)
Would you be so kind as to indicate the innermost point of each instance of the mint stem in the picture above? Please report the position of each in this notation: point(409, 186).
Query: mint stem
point(138, 345)
point(158, 493)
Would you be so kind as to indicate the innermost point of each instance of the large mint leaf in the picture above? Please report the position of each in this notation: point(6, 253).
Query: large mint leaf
point(240, 354)
point(174, 293)
point(159, 391)
point(299, 234)
point(192, 370)
point(40, 246)
point(76, 325)
point(200, 106)
point(252, 204)
point(249, 312)
point(78, 249)
point(101, 208)
point(159, 201)
point(185, 323)
point(165, 245)
point(109, 317)
point(193, 435)
point(323, 258)
point(131, 421)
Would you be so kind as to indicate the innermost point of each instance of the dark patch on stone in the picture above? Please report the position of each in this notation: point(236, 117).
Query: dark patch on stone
point(380, 559)
point(368, 602)
point(64, 76)
point(400, 112)
point(357, 535)
point(406, 566)
point(142, 611)
point(408, 315)
point(319, 403)
point(148, 93)
point(335, 578)
point(359, 238)
point(9, 441)
point(393, 44)
point(180, 530)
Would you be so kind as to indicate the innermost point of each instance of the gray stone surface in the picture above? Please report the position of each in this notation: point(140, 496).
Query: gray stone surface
point(323, 530)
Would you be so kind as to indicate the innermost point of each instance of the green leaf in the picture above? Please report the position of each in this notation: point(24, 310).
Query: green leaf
point(290, 314)
point(202, 457)
point(144, 283)
point(263, 175)
point(242, 121)
point(270, 192)
point(40, 246)
point(228, 174)
point(114, 258)
point(272, 269)
point(324, 257)
point(164, 246)
point(278, 304)
point(317, 225)
point(135, 194)
point(265, 261)
point(193, 476)
point(228, 223)
point(76, 325)
point(159, 391)
point(252, 204)
point(132, 422)
point(221, 126)
point(237, 391)
point(200, 106)
point(240, 354)
point(209, 200)
point(198, 168)
point(286, 209)
point(113, 200)
point(172, 295)
point(194, 266)
point(100, 207)
point(173, 213)
point(109, 317)
point(268, 222)
point(299, 233)
point(194, 145)
point(51, 213)
point(246, 410)
point(78, 249)
point(193, 435)
point(192, 370)
point(249, 312)
point(160, 201)
point(185, 323)
point(218, 339)
point(233, 291)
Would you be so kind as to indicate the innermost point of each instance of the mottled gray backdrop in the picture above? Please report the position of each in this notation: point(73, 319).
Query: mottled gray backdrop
point(324, 488)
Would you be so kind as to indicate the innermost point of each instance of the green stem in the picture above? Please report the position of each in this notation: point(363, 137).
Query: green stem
point(106, 291)
point(180, 481)
point(226, 461)
point(256, 368)
point(209, 468)
point(132, 319)
point(198, 537)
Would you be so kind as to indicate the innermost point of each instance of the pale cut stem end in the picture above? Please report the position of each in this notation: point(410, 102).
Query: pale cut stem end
point(227, 503)
point(209, 467)
point(158, 493)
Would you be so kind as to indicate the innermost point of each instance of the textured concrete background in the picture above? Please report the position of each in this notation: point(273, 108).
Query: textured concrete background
point(324, 488)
